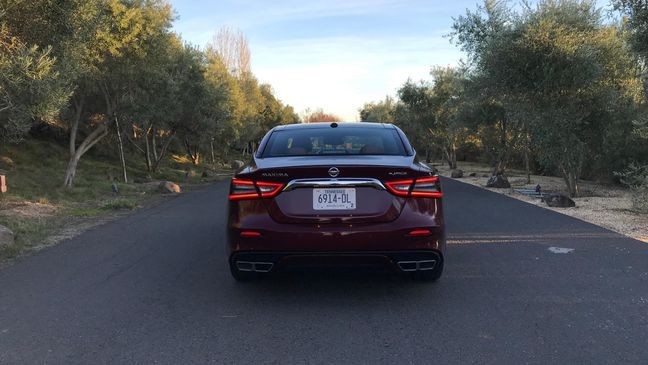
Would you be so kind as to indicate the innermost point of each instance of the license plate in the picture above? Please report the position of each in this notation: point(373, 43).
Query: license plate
point(334, 199)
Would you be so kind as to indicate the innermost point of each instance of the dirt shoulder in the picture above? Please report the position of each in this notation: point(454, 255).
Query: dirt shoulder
point(604, 205)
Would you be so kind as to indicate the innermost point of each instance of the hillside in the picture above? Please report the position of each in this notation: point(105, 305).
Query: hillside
point(40, 211)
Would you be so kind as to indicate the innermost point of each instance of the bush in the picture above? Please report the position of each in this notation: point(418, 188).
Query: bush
point(636, 178)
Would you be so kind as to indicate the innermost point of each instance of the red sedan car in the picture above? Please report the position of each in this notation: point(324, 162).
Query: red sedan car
point(336, 194)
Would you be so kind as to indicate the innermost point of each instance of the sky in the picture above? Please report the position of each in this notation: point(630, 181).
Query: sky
point(332, 54)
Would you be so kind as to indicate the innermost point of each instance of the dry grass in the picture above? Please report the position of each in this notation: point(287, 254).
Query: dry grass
point(41, 212)
point(607, 206)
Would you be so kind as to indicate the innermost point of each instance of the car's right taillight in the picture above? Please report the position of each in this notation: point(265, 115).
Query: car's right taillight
point(427, 187)
point(248, 189)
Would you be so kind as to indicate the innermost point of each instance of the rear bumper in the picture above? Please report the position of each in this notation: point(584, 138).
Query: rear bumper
point(313, 238)
point(404, 261)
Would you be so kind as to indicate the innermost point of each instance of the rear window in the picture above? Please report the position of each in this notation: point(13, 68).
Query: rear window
point(334, 141)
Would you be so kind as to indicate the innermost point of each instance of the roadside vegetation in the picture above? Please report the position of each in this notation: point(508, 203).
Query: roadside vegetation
point(557, 87)
point(100, 101)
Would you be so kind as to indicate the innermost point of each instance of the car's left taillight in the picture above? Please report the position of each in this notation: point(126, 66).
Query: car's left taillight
point(426, 187)
point(249, 189)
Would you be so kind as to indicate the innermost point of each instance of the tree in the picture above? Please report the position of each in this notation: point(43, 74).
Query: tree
point(566, 77)
point(30, 86)
point(112, 53)
point(380, 112)
point(232, 46)
point(636, 12)
point(415, 114)
point(319, 116)
point(227, 105)
point(448, 98)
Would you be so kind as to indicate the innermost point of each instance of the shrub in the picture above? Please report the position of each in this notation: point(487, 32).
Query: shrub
point(636, 178)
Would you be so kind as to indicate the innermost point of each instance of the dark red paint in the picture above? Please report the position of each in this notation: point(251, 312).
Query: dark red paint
point(274, 226)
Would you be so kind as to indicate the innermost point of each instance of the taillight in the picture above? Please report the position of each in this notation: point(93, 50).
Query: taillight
point(267, 189)
point(427, 187)
point(248, 189)
point(424, 187)
point(400, 187)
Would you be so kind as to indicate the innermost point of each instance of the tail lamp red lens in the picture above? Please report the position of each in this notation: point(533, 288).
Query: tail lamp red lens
point(427, 187)
point(250, 234)
point(248, 189)
point(420, 232)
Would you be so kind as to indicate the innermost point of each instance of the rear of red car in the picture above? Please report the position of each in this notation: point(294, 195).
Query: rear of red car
point(329, 194)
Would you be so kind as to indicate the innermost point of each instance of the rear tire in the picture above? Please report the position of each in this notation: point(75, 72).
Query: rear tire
point(242, 276)
point(428, 275)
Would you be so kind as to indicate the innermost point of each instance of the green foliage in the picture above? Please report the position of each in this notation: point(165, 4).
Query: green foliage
point(380, 112)
point(30, 87)
point(635, 176)
point(562, 74)
point(636, 19)
point(414, 113)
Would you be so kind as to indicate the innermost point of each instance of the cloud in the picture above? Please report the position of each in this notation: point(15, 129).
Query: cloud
point(340, 74)
point(332, 54)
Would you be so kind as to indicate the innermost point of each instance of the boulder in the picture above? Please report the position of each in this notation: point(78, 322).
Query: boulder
point(237, 164)
point(559, 201)
point(498, 181)
point(472, 174)
point(168, 187)
point(456, 174)
point(6, 236)
point(6, 163)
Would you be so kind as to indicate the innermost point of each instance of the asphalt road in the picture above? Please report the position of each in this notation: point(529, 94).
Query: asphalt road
point(154, 288)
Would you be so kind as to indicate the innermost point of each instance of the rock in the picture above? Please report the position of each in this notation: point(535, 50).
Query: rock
point(6, 236)
point(472, 174)
point(168, 187)
point(559, 201)
point(237, 164)
point(456, 174)
point(498, 181)
point(6, 163)
point(208, 173)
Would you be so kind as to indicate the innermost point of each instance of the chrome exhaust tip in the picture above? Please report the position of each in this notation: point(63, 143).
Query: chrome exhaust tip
point(254, 266)
point(423, 265)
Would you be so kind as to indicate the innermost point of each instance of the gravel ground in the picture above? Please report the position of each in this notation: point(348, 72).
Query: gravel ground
point(604, 205)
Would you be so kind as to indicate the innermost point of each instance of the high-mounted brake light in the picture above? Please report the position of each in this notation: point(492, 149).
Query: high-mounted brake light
point(248, 189)
point(424, 187)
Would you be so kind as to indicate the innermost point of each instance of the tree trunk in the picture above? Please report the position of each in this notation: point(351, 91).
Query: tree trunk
point(147, 152)
point(451, 156)
point(527, 166)
point(99, 133)
point(160, 156)
point(154, 143)
point(70, 171)
point(571, 181)
point(120, 144)
point(192, 152)
point(213, 156)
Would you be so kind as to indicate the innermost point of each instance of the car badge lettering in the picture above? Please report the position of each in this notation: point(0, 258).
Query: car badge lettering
point(274, 174)
point(333, 172)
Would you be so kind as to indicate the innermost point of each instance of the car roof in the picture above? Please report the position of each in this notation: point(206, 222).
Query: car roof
point(329, 125)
